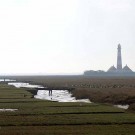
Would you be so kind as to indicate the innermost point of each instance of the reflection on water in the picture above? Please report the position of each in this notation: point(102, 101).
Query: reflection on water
point(58, 95)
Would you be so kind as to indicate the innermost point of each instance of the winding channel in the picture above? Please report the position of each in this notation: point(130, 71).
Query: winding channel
point(57, 95)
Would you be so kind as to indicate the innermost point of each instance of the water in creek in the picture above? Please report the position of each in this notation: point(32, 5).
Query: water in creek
point(8, 110)
point(24, 85)
point(57, 95)
point(122, 106)
point(7, 80)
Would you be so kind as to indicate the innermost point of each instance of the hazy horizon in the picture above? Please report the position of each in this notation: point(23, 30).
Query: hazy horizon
point(65, 37)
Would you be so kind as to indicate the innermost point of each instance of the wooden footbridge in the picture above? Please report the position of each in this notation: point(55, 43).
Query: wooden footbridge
point(49, 89)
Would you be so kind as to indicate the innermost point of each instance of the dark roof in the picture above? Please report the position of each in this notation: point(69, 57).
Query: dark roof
point(112, 69)
point(127, 69)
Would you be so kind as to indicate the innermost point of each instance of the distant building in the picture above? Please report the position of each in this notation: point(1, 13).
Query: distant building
point(119, 68)
point(126, 69)
point(113, 71)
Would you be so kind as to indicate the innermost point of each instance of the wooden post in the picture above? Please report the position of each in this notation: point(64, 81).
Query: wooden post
point(50, 92)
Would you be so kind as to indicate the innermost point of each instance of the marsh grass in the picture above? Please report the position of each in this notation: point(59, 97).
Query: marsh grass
point(115, 90)
point(114, 96)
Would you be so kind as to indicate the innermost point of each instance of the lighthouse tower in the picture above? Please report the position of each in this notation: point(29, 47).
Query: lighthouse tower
point(119, 70)
point(119, 59)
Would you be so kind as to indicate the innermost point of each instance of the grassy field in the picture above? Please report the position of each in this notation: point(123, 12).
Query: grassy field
point(40, 117)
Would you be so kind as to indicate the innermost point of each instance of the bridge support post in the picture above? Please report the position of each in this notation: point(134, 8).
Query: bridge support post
point(50, 92)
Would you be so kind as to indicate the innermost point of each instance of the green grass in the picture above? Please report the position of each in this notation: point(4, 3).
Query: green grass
point(45, 107)
point(10, 92)
point(66, 119)
point(70, 130)
point(41, 117)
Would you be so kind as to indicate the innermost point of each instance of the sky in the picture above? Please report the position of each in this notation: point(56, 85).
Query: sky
point(65, 36)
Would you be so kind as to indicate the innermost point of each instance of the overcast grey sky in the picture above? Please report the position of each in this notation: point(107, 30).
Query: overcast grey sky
point(65, 36)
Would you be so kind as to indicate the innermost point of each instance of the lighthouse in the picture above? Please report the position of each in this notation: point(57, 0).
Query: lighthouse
point(119, 59)
point(119, 68)
point(114, 71)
